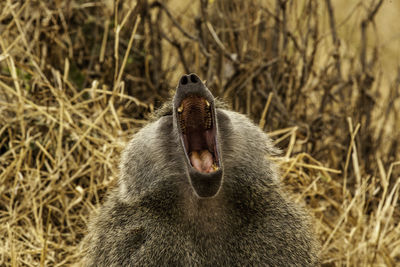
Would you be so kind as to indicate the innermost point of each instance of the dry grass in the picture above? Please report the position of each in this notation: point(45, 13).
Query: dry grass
point(77, 79)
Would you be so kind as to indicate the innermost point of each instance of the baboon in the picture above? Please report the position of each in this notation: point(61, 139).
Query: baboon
point(197, 189)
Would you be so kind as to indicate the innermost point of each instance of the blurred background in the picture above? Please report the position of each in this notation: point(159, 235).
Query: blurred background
point(79, 78)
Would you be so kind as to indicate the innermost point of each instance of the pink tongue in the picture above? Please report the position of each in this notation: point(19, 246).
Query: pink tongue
point(202, 161)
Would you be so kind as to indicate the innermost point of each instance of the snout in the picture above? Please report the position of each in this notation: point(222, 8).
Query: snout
point(197, 126)
point(191, 85)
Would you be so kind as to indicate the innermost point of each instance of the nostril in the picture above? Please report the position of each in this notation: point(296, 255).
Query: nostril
point(194, 78)
point(184, 80)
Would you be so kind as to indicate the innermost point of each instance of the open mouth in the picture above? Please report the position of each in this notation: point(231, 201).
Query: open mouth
point(195, 120)
point(197, 125)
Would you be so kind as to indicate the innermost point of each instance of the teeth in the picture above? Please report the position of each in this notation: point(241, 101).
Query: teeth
point(215, 167)
point(183, 129)
point(208, 120)
point(208, 123)
point(180, 108)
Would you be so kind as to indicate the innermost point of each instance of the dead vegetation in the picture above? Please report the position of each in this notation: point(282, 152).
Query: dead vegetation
point(78, 78)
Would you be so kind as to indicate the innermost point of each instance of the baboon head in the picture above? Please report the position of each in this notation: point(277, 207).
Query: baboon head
point(196, 123)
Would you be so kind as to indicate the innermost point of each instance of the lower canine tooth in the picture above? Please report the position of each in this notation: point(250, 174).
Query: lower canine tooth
point(180, 109)
point(215, 167)
point(207, 103)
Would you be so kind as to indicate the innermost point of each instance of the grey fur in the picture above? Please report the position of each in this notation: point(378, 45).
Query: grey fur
point(154, 218)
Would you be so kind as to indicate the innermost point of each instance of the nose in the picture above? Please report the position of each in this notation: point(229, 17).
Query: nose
point(187, 80)
point(190, 84)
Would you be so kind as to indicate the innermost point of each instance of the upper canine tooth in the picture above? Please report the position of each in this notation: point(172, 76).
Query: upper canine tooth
point(180, 108)
point(208, 104)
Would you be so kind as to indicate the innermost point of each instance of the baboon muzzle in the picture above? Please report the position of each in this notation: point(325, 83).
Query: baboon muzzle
point(196, 123)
